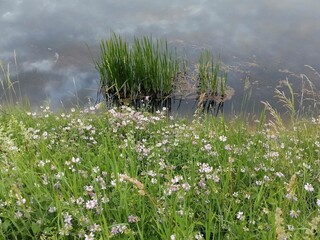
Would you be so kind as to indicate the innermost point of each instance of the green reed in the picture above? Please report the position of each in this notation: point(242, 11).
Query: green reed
point(115, 66)
point(212, 80)
point(147, 67)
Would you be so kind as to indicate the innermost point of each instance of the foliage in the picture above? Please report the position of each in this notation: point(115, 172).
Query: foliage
point(212, 80)
point(122, 174)
point(147, 67)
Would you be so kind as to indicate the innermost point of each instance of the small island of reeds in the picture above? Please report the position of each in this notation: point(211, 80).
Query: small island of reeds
point(148, 68)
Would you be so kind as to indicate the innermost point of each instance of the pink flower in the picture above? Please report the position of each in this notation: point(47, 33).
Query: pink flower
point(133, 219)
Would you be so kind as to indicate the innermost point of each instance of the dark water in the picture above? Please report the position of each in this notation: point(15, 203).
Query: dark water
point(55, 42)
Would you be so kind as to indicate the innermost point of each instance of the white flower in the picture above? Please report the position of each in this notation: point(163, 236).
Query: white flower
point(207, 147)
point(67, 218)
point(90, 236)
point(52, 209)
point(186, 186)
point(75, 160)
point(79, 201)
point(240, 216)
point(259, 183)
point(223, 138)
point(91, 204)
point(308, 187)
point(294, 214)
point(88, 188)
point(318, 202)
point(154, 180)
point(198, 236)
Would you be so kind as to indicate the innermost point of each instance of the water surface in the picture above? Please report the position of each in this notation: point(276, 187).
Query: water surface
point(55, 42)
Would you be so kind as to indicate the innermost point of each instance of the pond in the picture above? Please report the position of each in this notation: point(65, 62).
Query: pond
point(50, 45)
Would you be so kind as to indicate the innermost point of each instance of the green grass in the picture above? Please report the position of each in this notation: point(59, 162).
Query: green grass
point(123, 174)
point(148, 67)
point(145, 68)
point(212, 81)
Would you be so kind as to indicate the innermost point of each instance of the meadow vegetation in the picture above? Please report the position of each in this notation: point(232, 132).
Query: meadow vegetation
point(122, 174)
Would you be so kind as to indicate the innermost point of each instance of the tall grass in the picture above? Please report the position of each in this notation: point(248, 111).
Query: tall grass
point(212, 80)
point(148, 67)
point(9, 95)
point(297, 105)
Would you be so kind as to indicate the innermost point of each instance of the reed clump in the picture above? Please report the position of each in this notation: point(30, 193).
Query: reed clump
point(212, 80)
point(145, 68)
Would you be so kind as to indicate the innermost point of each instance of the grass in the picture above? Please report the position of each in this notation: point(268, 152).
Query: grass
point(212, 81)
point(123, 174)
point(147, 68)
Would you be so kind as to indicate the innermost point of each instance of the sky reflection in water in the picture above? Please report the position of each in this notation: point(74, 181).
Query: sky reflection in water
point(55, 41)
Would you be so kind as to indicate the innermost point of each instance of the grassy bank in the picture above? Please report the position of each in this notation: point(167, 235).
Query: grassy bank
point(123, 174)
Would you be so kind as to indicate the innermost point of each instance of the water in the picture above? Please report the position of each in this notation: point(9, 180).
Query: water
point(55, 42)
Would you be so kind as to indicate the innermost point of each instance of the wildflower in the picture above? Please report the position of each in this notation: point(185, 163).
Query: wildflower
point(41, 163)
point(88, 188)
point(133, 219)
point(21, 201)
point(246, 229)
point(186, 186)
point(207, 147)
point(294, 214)
point(201, 183)
point(67, 218)
point(52, 209)
point(291, 196)
point(18, 215)
point(105, 199)
point(227, 147)
point(90, 236)
point(265, 210)
point(290, 227)
point(95, 228)
point(173, 237)
point(91, 204)
point(65, 231)
point(75, 160)
point(152, 173)
point(176, 179)
point(223, 138)
point(118, 229)
point(198, 236)
point(240, 216)
point(308, 187)
point(279, 174)
point(247, 195)
point(205, 168)
point(79, 201)
point(230, 159)
point(259, 183)
point(266, 178)
point(318, 202)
